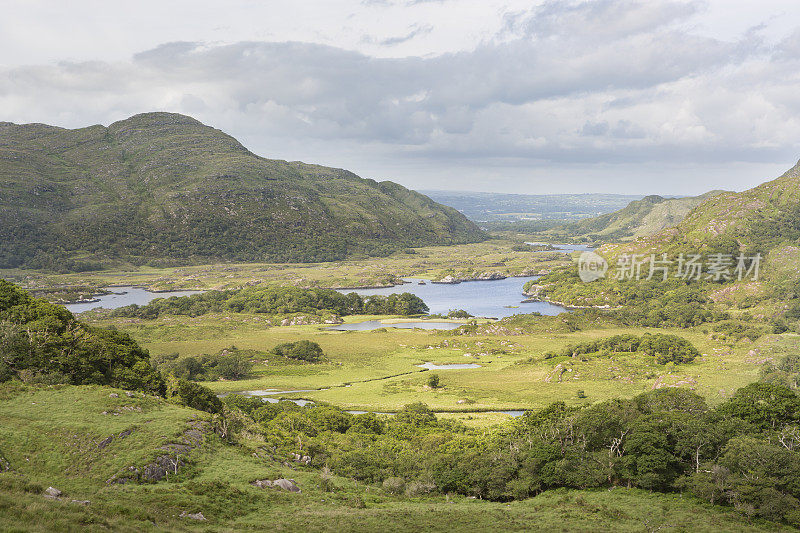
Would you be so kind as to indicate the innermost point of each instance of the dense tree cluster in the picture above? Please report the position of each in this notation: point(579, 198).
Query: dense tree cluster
point(664, 347)
point(44, 342)
point(672, 303)
point(743, 453)
point(278, 301)
point(229, 363)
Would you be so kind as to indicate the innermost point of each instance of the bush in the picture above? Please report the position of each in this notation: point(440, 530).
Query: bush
point(192, 395)
point(229, 363)
point(433, 381)
point(303, 350)
point(394, 485)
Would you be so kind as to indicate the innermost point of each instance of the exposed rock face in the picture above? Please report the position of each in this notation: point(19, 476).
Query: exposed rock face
point(193, 516)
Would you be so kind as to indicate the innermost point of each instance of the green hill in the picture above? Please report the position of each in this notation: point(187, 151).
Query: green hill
point(765, 218)
point(639, 218)
point(163, 188)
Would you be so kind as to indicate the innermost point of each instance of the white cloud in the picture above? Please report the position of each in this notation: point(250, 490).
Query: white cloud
point(604, 86)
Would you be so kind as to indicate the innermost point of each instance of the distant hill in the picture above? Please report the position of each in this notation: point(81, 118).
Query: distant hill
point(163, 188)
point(764, 219)
point(640, 218)
point(761, 218)
point(485, 207)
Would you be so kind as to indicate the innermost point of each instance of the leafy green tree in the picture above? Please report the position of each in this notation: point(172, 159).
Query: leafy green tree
point(192, 395)
point(765, 405)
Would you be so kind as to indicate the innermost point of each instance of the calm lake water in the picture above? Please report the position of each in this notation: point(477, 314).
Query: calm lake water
point(495, 299)
point(123, 296)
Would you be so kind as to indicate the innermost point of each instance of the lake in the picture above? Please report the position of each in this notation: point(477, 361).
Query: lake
point(122, 296)
point(494, 299)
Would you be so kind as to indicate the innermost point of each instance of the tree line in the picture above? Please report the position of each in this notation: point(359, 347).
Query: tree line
point(278, 301)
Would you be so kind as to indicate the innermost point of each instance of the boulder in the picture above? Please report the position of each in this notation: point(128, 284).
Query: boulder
point(193, 516)
point(113, 395)
point(283, 484)
point(52, 493)
point(286, 484)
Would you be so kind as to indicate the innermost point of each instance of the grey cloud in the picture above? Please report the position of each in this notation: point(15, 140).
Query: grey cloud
point(652, 91)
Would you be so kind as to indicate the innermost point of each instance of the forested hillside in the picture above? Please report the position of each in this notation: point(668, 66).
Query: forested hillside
point(163, 188)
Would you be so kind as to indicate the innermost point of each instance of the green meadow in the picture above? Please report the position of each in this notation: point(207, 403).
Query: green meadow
point(377, 370)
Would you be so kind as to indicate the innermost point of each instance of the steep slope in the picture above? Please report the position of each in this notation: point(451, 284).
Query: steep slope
point(165, 187)
point(640, 218)
point(764, 218)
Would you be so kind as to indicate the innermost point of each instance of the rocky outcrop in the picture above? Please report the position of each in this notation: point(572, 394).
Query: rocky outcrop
point(172, 457)
point(288, 485)
point(108, 440)
point(305, 459)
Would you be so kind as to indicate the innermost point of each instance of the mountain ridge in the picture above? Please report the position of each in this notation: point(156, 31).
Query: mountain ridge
point(165, 187)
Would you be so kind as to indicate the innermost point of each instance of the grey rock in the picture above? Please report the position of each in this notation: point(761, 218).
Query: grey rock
point(52, 493)
point(81, 502)
point(113, 395)
point(286, 484)
point(105, 442)
point(193, 516)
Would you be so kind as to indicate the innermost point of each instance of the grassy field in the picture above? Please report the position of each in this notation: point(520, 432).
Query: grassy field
point(50, 437)
point(377, 370)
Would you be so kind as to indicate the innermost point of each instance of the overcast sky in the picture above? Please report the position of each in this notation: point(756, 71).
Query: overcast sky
point(641, 97)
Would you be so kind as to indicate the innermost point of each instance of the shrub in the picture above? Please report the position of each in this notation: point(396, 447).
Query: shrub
point(433, 381)
point(303, 350)
point(192, 395)
point(394, 485)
